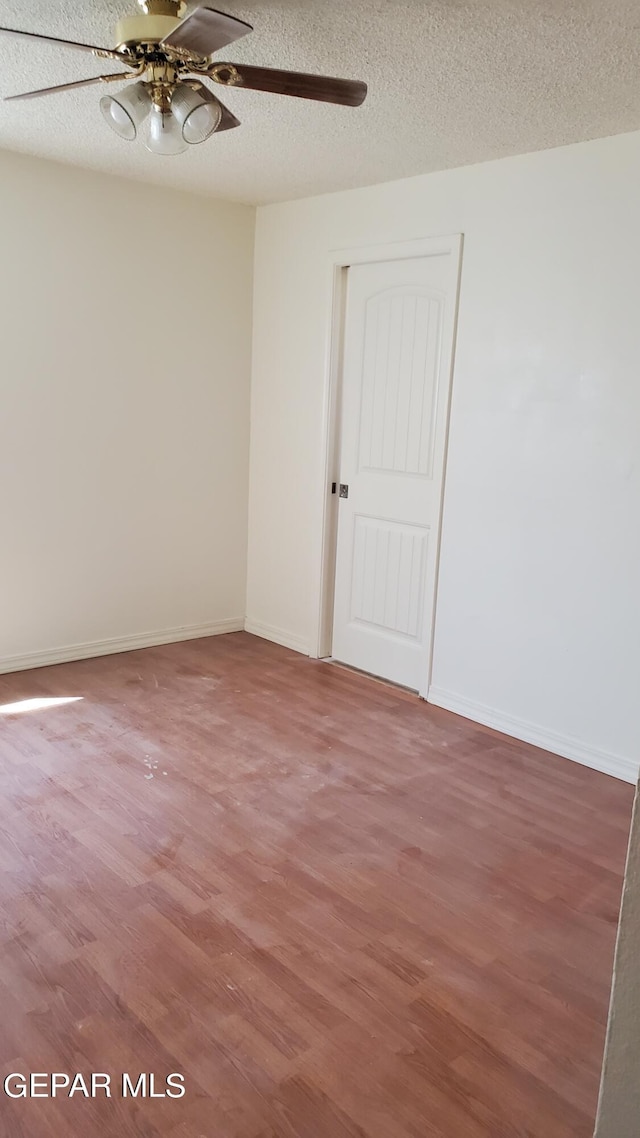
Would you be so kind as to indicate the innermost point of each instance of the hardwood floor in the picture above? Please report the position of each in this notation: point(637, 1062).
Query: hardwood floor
point(335, 910)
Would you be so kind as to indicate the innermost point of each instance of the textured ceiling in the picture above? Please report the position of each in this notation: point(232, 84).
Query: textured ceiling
point(450, 83)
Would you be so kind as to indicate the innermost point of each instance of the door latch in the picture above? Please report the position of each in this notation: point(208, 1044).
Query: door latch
point(344, 490)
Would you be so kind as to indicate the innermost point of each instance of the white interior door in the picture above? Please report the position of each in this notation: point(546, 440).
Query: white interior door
point(398, 344)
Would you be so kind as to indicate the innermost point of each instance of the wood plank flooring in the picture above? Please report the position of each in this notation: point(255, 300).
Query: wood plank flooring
point(335, 910)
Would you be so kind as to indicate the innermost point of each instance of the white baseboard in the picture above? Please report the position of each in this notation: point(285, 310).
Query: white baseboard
point(277, 635)
point(118, 644)
point(569, 748)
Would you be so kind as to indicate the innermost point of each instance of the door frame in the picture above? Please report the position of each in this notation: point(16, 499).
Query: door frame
point(340, 260)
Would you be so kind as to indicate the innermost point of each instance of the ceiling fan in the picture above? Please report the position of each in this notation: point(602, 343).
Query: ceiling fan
point(168, 57)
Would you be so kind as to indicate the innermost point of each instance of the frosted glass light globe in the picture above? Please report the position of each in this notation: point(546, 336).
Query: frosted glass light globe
point(125, 111)
point(201, 123)
point(165, 135)
point(197, 111)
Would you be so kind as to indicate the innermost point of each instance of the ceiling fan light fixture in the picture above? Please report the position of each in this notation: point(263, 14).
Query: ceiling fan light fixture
point(165, 133)
point(198, 112)
point(167, 56)
point(127, 110)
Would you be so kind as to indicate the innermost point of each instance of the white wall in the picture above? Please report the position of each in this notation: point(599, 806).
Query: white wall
point(538, 613)
point(619, 1106)
point(124, 404)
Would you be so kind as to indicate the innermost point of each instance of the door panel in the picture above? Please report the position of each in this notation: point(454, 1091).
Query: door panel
point(388, 574)
point(396, 371)
point(399, 382)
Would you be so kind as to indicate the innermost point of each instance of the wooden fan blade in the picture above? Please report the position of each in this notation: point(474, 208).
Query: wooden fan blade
point(228, 120)
point(322, 88)
point(105, 52)
point(68, 86)
point(206, 31)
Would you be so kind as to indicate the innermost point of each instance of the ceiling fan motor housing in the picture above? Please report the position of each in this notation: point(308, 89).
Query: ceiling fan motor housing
point(159, 19)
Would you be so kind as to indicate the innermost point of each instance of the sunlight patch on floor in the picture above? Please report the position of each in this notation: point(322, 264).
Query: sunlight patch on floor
point(38, 704)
